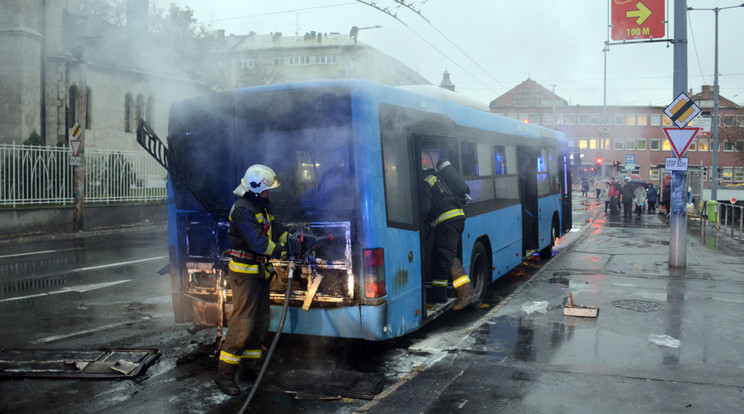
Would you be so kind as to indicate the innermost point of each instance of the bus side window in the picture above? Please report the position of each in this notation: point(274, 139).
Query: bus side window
point(478, 170)
point(505, 170)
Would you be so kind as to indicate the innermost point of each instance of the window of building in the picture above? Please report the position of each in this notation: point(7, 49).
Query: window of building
point(583, 119)
point(606, 144)
point(559, 119)
point(619, 144)
point(630, 119)
point(727, 174)
point(278, 61)
point(594, 119)
point(570, 119)
point(619, 119)
point(739, 145)
point(512, 116)
point(665, 120)
point(535, 119)
point(702, 145)
point(139, 109)
point(583, 143)
point(88, 106)
point(299, 60)
point(72, 106)
point(738, 174)
point(630, 144)
point(150, 110)
point(642, 120)
point(547, 119)
point(653, 173)
point(641, 144)
point(606, 119)
point(593, 144)
point(728, 145)
point(128, 107)
point(740, 120)
point(728, 120)
point(654, 144)
point(524, 117)
point(666, 146)
point(246, 63)
point(693, 145)
point(655, 119)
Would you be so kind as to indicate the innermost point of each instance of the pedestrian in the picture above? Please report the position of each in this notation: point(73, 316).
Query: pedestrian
point(639, 199)
point(584, 188)
point(444, 194)
point(665, 197)
point(598, 188)
point(252, 244)
point(627, 197)
point(613, 193)
point(652, 195)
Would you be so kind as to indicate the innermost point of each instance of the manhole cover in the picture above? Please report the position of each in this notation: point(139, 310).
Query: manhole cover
point(639, 305)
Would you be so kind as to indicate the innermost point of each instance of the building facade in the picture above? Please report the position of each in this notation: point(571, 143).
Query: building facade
point(60, 68)
point(257, 59)
point(606, 138)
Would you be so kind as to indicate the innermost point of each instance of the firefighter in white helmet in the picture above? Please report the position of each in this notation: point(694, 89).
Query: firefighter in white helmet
point(252, 243)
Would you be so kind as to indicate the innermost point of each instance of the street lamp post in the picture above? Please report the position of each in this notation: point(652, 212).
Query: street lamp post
point(714, 168)
point(355, 30)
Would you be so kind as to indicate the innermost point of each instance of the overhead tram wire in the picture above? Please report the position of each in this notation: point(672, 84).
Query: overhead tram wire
point(284, 11)
point(453, 44)
point(394, 16)
point(694, 45)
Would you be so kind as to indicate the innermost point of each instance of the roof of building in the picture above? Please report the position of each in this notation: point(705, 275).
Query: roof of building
point(529, 93)
point(704, 99)
point(310, 40)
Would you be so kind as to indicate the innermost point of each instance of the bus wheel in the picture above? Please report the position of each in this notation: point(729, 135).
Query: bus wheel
point(480, 275)
point(547, 252)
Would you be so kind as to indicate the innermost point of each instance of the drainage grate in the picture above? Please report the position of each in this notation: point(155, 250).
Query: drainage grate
point(639, 305)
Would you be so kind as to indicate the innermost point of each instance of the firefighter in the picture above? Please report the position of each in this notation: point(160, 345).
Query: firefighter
point(251, 235)
point(444, 195)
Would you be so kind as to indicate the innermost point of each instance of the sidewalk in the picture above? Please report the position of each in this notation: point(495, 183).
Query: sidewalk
point(517, 362)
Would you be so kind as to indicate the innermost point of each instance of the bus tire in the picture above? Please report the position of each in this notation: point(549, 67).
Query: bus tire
point(547, 252)
point(480, 275)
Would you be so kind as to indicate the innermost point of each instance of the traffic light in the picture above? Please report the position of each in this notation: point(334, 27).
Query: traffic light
point(599, 161)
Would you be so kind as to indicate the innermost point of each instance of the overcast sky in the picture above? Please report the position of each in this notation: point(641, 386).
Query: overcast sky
point(490, 46)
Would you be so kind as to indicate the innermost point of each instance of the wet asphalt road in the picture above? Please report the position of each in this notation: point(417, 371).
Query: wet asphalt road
point(102, 291)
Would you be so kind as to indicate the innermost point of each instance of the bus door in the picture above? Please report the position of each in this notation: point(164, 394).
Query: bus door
point(565, 172)
point(528, 197)
point(427, 152)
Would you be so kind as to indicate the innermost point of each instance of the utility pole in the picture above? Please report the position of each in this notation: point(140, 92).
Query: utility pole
point(678, 199)
point(78, 183)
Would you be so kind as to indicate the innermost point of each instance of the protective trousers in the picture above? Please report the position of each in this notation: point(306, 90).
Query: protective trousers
point(447, 239)
point(249, 320)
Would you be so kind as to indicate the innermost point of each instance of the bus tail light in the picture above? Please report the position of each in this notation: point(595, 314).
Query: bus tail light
point(374, 273)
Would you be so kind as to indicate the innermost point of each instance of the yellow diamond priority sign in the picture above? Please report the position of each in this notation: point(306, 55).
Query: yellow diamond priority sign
point(682, 110)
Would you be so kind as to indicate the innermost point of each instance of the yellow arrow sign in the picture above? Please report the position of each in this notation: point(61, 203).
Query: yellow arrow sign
point(642, 13)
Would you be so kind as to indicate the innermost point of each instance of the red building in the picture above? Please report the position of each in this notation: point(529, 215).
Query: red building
point(605, 138)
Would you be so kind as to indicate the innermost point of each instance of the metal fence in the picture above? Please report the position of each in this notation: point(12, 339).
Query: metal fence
point(41, 175)
point(730, 218)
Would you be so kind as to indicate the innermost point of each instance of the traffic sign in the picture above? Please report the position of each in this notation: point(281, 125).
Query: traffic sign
point(680, 138)
point(75, 144)
point(682, 110)
point(630, 158)
point(76, 130)
point(637, 19)
point(676, 164)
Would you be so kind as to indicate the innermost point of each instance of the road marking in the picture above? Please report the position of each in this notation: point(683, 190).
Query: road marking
point(32, 253)
point(79, 289)
point(87, 331)
point(82, 269)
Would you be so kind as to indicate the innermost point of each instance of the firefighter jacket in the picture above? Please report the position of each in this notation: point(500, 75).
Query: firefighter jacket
point(438, 204)
point(251, 235)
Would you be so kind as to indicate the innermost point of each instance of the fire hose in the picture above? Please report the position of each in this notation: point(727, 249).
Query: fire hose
point(290, 274)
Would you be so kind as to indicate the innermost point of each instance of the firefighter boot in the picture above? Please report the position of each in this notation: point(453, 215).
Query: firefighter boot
point(226, 378)
point(466, 295)
point(249, 369)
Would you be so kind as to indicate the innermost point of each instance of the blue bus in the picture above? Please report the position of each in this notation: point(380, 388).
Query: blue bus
point(348, 154)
